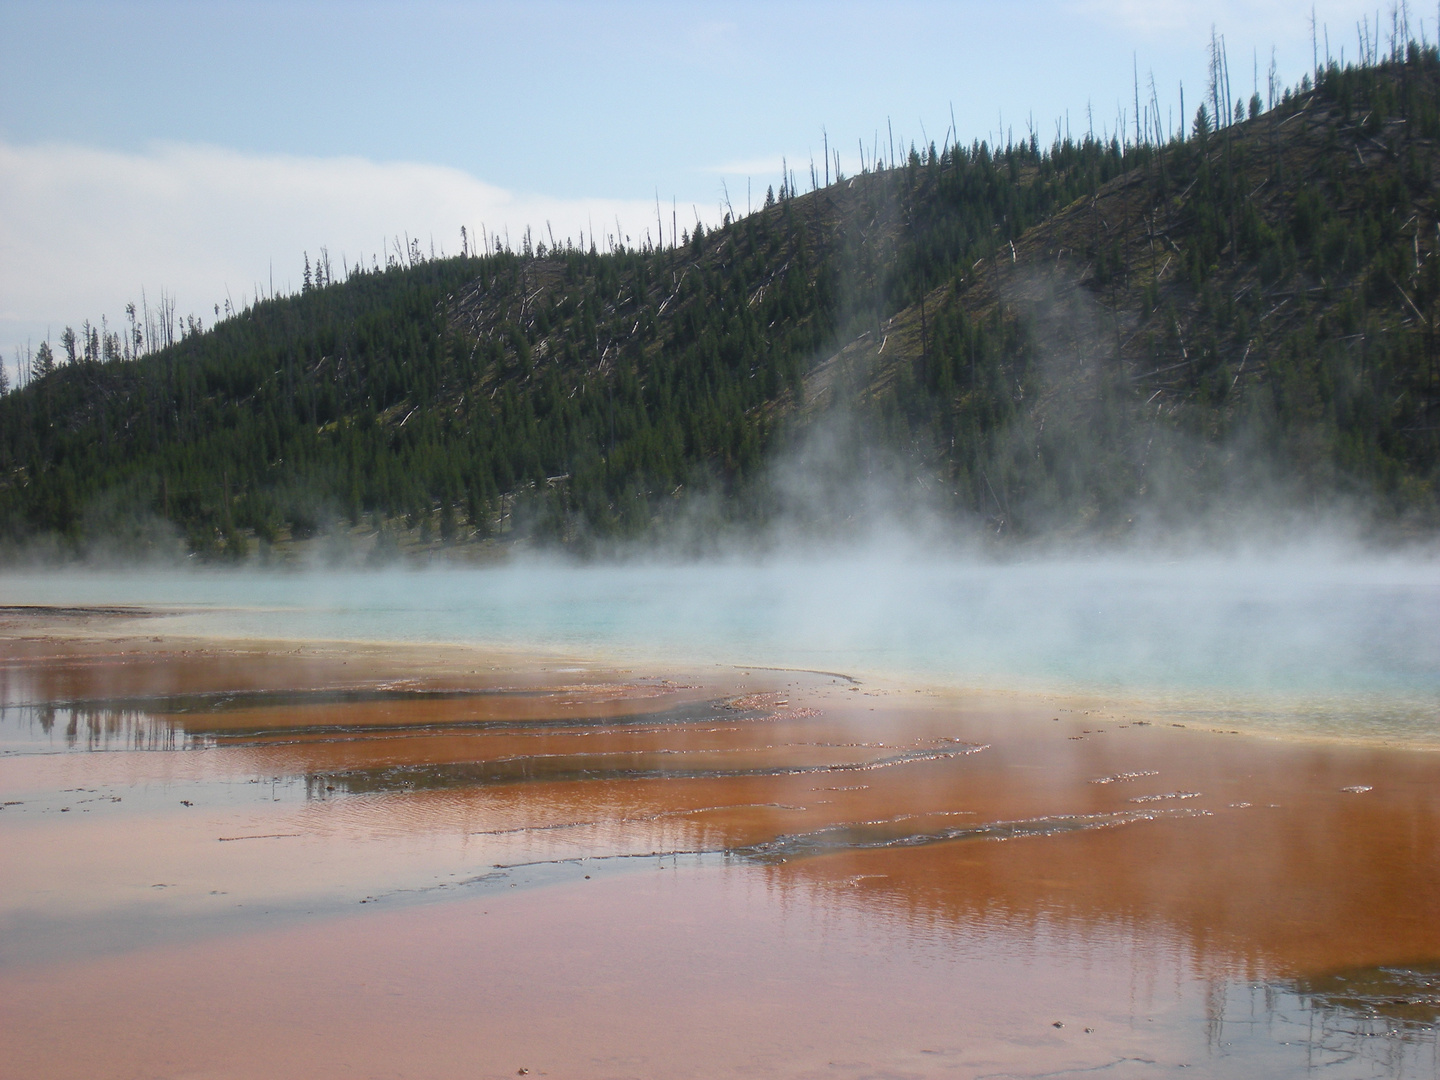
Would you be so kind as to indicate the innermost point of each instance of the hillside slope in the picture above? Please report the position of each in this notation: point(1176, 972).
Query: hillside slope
point(1241, 321)
point(1079, 340)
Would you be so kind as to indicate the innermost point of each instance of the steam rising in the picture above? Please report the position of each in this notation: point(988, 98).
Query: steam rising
point(1317, 640)
point(1158, 571)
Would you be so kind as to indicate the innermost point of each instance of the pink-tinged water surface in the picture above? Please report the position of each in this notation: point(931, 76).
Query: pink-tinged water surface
point(283, 860)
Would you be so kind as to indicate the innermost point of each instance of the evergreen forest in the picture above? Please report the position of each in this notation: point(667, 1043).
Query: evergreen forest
point(1081, 339)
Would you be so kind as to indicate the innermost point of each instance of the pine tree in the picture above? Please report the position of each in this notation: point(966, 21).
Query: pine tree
point(71, 344)
point(44, 362)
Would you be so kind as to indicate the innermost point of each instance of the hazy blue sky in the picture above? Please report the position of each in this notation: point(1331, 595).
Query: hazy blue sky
point(201, 147)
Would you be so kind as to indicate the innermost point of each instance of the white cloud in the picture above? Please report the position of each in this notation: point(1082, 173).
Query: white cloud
point(83, 230)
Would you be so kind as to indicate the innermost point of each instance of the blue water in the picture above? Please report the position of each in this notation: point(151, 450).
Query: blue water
point(1328, 644)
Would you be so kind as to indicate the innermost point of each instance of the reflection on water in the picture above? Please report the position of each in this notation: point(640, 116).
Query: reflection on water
point(1393, 999)
point(198, 721)
point(41, 728)
point(1379, 1021)
point(1302, 641)
point(161, 799)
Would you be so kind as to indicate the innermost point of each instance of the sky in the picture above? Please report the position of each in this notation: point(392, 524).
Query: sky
point(205, 149)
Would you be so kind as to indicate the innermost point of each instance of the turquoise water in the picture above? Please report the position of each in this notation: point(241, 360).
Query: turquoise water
point(1329, 645)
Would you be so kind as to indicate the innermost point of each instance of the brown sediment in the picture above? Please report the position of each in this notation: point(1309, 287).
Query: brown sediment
point(853, 873)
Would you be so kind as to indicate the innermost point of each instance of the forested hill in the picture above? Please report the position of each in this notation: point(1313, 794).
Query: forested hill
point(1082, 339)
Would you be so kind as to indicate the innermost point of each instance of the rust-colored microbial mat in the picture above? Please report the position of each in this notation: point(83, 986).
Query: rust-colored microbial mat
point(273, 861)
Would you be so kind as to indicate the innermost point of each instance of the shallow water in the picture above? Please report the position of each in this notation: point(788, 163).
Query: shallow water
point(1313, 643)
point(331, 862)
point(974, 840)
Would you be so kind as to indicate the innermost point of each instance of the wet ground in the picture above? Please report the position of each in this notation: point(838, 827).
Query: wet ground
point(278, 860)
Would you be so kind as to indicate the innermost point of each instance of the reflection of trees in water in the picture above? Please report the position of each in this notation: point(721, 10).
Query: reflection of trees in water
point(1372, 1022)
point(1365, 1022)
point(1386, 1016)
point(101, 728)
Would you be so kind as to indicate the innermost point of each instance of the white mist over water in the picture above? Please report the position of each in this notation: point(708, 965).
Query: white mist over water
point(1315, 642)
